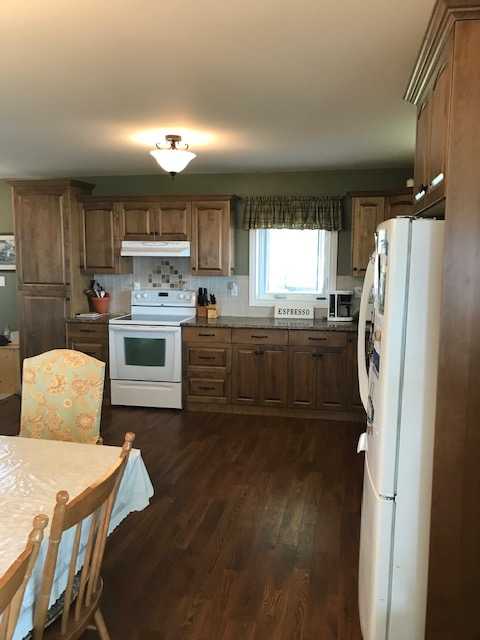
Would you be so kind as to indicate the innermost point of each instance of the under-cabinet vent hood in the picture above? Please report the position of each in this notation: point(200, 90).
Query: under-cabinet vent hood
point(148, 248)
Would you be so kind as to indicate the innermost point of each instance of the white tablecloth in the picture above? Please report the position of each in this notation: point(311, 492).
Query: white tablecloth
point(31, 473)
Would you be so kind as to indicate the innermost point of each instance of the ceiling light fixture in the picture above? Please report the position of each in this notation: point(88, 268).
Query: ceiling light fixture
point(172, 157)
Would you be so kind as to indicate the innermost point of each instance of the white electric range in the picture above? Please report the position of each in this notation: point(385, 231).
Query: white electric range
point(146, 349)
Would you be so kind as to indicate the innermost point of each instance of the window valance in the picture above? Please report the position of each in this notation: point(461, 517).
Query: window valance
point(293, 212)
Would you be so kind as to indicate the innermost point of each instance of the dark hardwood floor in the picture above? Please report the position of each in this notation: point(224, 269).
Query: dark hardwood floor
point(252, 533)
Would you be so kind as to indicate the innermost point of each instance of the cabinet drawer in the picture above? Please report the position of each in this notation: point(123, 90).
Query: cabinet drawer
point(84, 329)
point(317, 338)
point(205, 334)
point(206, 387)
point(260, 336)
point(206, 357)
point(95, 349)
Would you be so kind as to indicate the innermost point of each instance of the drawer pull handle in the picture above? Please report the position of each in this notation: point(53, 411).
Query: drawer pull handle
point(206, 357)
point(259, 337)
point(317, 339)
point(258, 352)
point(207, 388)
point(207, 335)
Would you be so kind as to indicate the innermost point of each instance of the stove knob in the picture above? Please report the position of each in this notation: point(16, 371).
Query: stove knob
point(138, 295)
point(181, 296)
point(144, 295)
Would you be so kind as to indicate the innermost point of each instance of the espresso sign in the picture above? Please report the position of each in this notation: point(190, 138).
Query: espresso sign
point(294, 311)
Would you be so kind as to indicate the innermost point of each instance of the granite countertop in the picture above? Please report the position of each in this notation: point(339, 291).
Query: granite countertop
point(245, 322)
point(103, 319)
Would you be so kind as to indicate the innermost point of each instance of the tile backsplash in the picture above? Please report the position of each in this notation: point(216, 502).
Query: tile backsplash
point(172, 273)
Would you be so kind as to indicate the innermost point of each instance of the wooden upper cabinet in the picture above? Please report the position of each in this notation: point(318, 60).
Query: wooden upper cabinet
point(398, 205)
point(422, 148)
point(173, 221)
point(211, 238)
point(433, 116)
point(98, 230)
point(41, 227)
point(440, 104)
point(138, 221)
point(368, 213)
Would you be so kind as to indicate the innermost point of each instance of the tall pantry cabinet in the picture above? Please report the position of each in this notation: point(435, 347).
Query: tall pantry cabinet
point(445, 88)
point(49, 282)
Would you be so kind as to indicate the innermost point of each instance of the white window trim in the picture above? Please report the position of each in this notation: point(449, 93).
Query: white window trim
point(255, 300)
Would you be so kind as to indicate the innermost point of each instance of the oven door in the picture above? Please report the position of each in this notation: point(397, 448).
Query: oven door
point(149, 353)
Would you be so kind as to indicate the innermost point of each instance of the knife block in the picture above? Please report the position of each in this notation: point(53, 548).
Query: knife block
point(209, 312)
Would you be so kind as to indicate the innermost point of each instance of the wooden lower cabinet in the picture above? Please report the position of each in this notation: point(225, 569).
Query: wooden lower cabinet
point(332, 380)
point(245, 375)
point(319, 379)
point(259, 375)
point(302, 374)
point(288, 377)
point(273, 376)
point(42, 317)
point(92, 339)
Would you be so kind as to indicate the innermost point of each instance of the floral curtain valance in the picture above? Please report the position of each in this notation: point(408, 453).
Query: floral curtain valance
point(293, 212)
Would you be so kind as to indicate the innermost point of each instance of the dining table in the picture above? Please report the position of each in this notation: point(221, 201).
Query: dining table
point(32, 471)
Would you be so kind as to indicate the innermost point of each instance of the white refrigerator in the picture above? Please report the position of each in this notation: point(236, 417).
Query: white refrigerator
point(398, 392)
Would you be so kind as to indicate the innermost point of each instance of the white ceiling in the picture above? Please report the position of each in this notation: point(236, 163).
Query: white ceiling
point(255, 85)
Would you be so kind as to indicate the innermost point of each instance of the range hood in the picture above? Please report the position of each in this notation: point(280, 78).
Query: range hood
point(152, 248)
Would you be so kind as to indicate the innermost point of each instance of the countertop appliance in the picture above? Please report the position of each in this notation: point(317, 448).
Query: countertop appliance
point(399, 395)
point(340, 306)
point(155, 248)
point(146, 349)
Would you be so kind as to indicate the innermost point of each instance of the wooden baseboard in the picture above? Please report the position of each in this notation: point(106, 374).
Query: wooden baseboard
point(340, 416)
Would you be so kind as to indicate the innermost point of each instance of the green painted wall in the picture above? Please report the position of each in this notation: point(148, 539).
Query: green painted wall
point(8, 307)
point(241, 184)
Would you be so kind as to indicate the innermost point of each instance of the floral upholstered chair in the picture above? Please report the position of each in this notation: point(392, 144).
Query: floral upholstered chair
point(62, 394)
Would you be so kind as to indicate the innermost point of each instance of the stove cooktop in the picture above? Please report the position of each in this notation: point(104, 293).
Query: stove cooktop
point(170, 319)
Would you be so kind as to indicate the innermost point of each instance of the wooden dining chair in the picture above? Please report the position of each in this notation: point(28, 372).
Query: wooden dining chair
point(14, 580)
point(96, 502)
point(62, 392)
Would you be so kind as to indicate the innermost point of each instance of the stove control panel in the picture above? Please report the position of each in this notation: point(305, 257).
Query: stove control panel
point(163, 298)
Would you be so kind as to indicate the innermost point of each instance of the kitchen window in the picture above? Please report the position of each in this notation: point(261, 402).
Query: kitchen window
point(292, 265)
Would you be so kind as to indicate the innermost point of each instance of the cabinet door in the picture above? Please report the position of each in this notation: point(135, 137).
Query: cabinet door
point(98, 227)
point(96, 349)
point(367, 214)
point(40, 229)
point(301, 370)
point(332, 379)
point(353, 389)
point(42, 319)
point(274, 376)
point(138, 221)
point(422, 149)
point(401, 205)
point(211, 238)
point(245, 375)
point(173, 221)
point(440, 102)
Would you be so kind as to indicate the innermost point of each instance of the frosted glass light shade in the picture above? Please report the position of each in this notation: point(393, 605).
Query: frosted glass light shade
point(173, 160)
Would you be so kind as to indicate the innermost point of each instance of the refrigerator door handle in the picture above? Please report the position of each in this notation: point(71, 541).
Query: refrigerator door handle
point(362, 325)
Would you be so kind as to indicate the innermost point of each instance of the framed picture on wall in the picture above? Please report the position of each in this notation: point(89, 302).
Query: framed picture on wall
point(7, 252)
